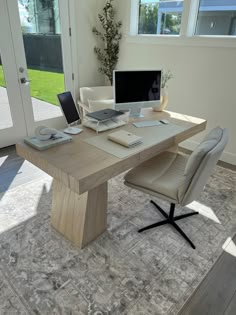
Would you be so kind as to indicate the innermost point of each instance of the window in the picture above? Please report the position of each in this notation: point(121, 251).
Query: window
point(216, 17)
point(191, 18)
point(39, 16)
point(160, 17)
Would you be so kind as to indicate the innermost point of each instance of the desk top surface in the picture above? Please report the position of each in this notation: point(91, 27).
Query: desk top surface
point(82, 167)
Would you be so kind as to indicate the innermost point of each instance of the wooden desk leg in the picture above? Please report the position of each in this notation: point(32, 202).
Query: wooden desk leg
point(80, 218)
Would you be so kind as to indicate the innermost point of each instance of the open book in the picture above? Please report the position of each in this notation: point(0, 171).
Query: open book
point(125, 138)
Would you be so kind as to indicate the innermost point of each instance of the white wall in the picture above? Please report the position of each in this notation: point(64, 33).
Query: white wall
point(86, 12)
point(204, 83)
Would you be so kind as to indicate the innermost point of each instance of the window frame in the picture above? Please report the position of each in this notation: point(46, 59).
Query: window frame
point(187, 35)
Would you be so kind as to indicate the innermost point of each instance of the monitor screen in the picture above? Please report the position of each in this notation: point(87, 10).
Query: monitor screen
point(137, 86)
point(68, 107)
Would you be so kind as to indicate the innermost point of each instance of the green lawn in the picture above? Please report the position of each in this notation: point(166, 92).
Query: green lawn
point(44, 85)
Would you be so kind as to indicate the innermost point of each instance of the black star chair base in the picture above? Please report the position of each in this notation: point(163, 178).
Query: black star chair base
point(170, 219)
point(178, 178)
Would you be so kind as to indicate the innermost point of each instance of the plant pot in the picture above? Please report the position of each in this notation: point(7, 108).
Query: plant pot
point(164, 101)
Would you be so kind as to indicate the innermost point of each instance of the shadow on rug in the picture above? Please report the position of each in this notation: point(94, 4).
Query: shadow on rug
point(122, 272)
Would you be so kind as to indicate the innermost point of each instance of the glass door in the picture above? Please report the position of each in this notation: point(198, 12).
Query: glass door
point(42, 52)
point(12, 121)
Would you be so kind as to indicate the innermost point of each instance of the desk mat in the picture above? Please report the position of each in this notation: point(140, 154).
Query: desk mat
point(150, 135)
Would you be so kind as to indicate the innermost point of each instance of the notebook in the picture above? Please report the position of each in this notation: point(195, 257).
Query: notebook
point(125, 138)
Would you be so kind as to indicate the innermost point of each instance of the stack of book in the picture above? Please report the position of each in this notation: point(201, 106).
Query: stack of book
point(40, 145)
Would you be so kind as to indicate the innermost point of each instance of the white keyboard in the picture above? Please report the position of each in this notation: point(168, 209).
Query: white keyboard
point(147, 123)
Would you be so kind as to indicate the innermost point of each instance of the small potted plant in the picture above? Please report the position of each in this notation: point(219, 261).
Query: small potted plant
point(165, 77)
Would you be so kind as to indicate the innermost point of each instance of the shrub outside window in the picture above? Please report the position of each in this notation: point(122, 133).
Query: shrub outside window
point(216, 17)
point(160, 17)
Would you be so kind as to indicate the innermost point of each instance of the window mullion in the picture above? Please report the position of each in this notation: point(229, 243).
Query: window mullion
point(190, 17)
point(185, 17)
point(134, 17)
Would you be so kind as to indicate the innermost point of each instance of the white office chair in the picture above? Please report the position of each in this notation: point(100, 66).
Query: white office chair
point(177, 178)
point(95, 98)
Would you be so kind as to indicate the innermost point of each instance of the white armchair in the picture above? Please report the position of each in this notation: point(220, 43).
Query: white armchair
point(95, 98)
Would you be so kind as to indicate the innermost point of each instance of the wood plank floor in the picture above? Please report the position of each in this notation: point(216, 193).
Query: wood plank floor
point(216, 295)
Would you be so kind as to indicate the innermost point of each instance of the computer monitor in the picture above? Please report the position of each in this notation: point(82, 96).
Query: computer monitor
point(136, 89)
point(70, 112)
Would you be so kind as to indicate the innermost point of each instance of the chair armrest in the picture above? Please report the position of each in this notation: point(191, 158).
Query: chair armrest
point(84, 109)
point(83, 106)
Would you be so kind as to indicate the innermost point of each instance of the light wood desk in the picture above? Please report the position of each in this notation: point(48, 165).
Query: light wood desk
point(81, 172)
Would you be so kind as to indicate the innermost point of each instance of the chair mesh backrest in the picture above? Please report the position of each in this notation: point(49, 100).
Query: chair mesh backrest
point(95, 93)
point(206, 166)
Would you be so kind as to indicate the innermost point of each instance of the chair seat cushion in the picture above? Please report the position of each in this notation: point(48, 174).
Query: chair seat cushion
point(163, 174)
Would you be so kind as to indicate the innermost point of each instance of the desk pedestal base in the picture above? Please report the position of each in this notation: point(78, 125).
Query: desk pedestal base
point(80, 218)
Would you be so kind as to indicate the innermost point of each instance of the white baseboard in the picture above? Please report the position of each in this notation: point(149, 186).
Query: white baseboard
point(227, 157)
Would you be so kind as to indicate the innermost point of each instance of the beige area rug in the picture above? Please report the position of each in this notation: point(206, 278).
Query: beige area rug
point(122, 272)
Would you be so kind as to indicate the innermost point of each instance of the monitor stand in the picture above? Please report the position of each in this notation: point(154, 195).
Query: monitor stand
point(135, 112)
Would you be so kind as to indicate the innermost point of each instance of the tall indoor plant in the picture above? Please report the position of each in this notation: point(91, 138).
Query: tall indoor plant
point(110, 36)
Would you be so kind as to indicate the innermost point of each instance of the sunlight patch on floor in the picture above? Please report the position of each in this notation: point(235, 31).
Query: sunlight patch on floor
point(229, 247)
point(7, 222)
point(204, 210)
point(10, 219)
point(3, 159)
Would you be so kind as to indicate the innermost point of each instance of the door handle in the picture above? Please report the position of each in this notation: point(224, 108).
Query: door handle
point(24, 81)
